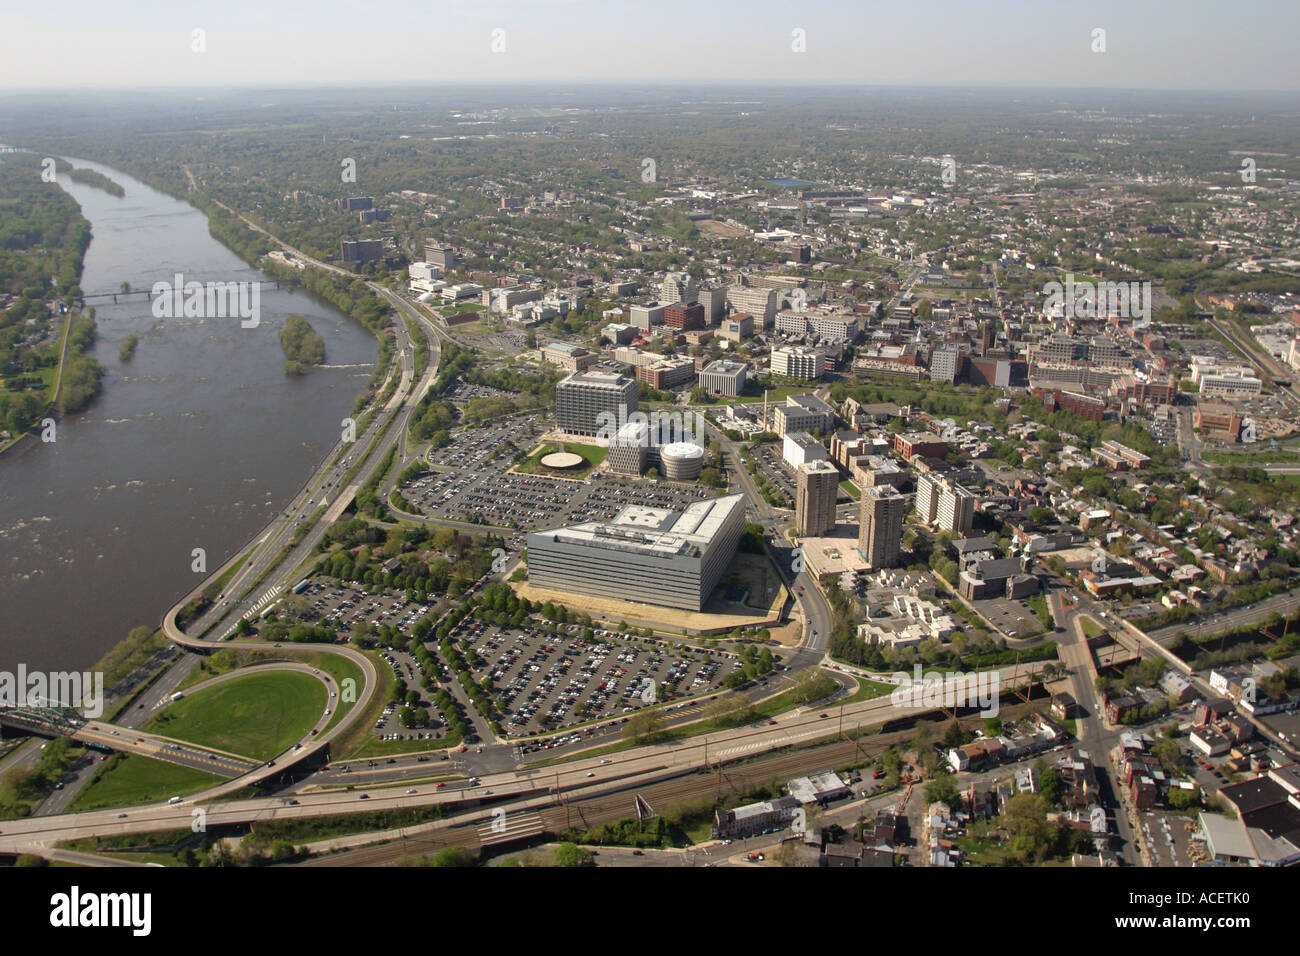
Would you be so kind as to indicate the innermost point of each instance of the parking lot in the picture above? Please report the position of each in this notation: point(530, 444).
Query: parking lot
point(1167, 838)
point(531, 501)
point(354, 604)
point(545, 682)
point(459, 391)
point(1014, 618)
point(775, 468)
point(471, 448)
point(342, 607)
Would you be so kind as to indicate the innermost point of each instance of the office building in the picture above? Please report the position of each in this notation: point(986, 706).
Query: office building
point(423, 272)
point(680, 460)
point(646, 317)
point(800, 447)
point(684, 316)
point(818, 485)
point(945, 362)
point(362, 250)
point(628, 355)
point(667, 373)
point(760, 303)
point(798, 362)
point(736, 328)
point(919, 445)
point(647, 555)
point(629, 450)
point(956, 509)
point(504, 298)
point(678, 287)
point(1234, 381)
point(802, 413)
point(437, 254)
point(880, 534)
point(723, 377)
point(582, 398)
point(944, 504)
point(619, 333)
point(572, 358)
point(1086, 406)
point(714, 301)
point(1218, 421)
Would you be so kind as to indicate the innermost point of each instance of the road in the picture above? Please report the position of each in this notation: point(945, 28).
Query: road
point(1092, 735)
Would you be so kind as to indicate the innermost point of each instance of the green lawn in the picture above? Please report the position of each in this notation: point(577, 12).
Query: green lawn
point(128, 779)
point(777, 394)
point(851, 489)
point(592, 455)
point(1091, 628)
point(255, 716)
point(870, 690)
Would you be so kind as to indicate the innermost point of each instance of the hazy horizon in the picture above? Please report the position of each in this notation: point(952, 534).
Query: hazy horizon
point(1150, 45)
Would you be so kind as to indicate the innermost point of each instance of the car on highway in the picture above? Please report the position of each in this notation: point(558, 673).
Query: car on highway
point(442, 784)
point(364, 796)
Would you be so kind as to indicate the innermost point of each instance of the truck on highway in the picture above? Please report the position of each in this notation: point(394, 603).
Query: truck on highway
point(177, 696)
point(174, 800)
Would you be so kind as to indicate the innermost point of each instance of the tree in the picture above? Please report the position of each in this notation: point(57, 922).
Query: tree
point(570, 855)
point(729, 709)
point(455, 856)
point(642, 726)
point(942, 789)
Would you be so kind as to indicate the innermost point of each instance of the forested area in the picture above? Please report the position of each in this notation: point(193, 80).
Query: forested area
point(43, 238)
point(92, 178)
point(303, 345)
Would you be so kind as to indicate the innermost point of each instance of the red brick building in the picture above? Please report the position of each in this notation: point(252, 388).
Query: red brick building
point(684, 316)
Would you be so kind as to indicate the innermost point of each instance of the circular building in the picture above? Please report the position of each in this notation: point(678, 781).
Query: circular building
point(562, 460)
point(682, 461)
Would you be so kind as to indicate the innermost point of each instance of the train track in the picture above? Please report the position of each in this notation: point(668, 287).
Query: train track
point(587, 812)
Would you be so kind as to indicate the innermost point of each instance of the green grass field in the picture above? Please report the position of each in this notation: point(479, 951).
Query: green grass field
point(870, 690)
point(128, 779)
point(255, 716)
point(592, 455)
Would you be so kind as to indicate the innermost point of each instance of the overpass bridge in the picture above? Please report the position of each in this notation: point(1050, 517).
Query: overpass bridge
point(51, 721)
point(42, 720)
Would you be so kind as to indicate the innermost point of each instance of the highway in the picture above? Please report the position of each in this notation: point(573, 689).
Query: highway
point(584, 776)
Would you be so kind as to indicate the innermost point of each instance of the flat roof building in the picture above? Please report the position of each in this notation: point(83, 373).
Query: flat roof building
point(582, 398)
point(818, 485)
point(647, 555)
point(880, 534)
point(723, 377)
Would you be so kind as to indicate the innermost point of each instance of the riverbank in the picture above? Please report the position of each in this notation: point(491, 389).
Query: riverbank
point(196, 443)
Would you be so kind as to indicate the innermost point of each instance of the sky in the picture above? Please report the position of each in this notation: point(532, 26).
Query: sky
point(1148, 44)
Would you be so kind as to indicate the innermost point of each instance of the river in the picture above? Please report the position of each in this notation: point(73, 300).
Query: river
point(194, 443)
